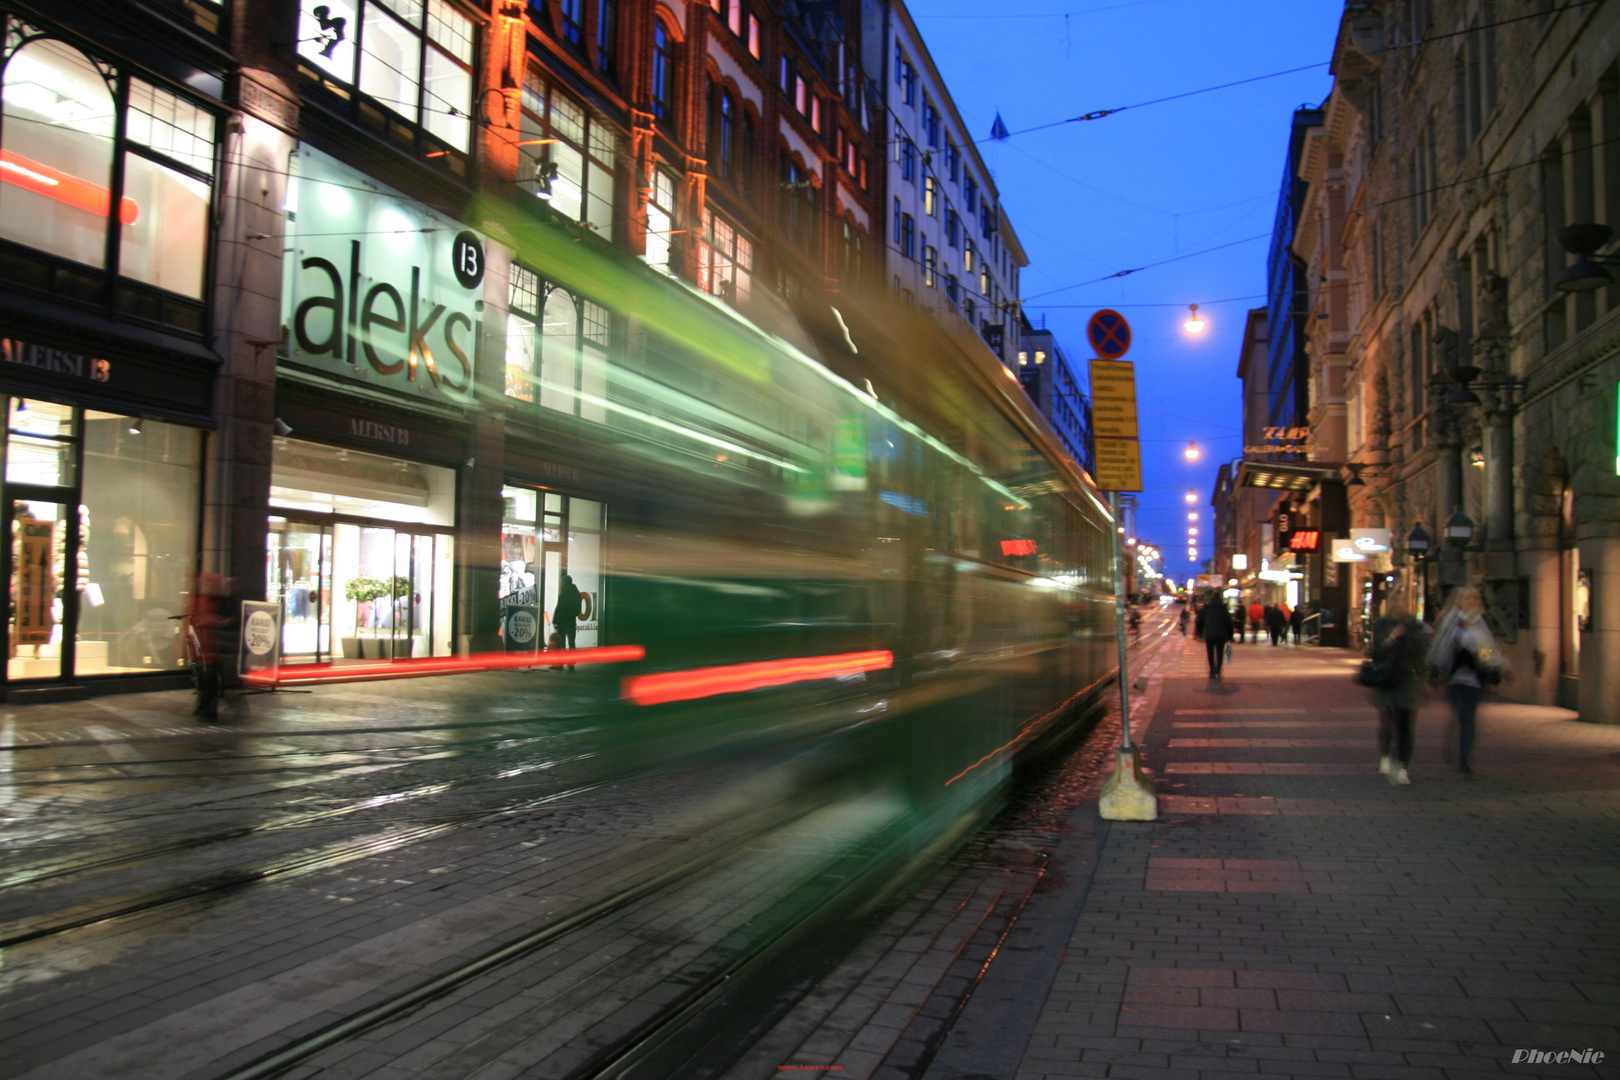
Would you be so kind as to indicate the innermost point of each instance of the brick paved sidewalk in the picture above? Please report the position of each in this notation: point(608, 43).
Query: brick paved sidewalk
point(1291, 913)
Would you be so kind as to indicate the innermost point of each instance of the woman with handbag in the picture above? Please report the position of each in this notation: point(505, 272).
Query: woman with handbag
point(1465, 657)
point(1395, 675)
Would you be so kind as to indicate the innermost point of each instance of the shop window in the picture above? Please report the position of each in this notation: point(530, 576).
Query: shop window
point(57, 148)
point(415, 59)
point(661, 222)
point(523, 314)
point(569, 161)
point(546, 536)
point(359, 554)
point(725, 260)
point(97, 571)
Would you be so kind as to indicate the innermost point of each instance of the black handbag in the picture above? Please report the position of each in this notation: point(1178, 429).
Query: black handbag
point(1376, 675)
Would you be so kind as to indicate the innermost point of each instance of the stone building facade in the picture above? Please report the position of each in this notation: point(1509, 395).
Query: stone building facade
point(1469, 392)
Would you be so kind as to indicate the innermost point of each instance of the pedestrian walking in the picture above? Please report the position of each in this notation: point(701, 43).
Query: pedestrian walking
point(1396, 673)
point(1215, 627)
point(1257, 620)
point(1466, 659)
point(1183, 620)
point(1296, 621)
point(1240, 615)
point(565, 615)
point(1274, 623)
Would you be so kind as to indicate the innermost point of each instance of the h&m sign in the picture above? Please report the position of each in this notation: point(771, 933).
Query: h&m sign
point(379, 286)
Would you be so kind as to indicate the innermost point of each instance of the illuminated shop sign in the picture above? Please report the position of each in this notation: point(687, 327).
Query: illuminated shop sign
point(1012, 548)
point(1304, 539)
point(1344, 550)
point(379, 287)
point(1370, 541)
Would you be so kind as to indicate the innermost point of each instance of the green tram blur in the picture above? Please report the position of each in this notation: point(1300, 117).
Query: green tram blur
point(827, 478)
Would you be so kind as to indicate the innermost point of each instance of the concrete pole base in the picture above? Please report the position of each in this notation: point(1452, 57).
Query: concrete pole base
point(1128, 795)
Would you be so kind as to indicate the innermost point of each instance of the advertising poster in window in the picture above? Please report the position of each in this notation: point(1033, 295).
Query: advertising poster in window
point(379, 288)
point(36, 585)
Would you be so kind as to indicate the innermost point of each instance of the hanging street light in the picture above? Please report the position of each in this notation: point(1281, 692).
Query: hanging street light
point(1192, 496)
point(1195, 323)
point(1192, 453)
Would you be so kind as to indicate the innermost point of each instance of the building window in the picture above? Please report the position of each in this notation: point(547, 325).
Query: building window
point(573, 23)
point(784, 73)
point(569, 161)
point(930, 122)
point(801, 90)
point(725, 260)
point(967, 258)
point(930, 196)
point(661, 221)
point(953, 228)
point(953, 161)
point(896, 220)
point(970, 192)
point(415, 59)
point(61, 144)
point(606, 33)
point(930, 264)
point(558, 343)
point(953, 289)
point(798, 207)
point(908, 236)
point(663, 72)
point(734, 16)
point(753, 38)
point(908, 83)
point(908, 160)
point(854, 252)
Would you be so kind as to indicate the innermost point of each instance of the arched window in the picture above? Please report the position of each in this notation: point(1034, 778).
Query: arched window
point(728, 128)
point(606, 33)
point(59, 120)
point(663, 72)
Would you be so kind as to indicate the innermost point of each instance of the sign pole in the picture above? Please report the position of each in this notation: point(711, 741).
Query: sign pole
point(1120, 600)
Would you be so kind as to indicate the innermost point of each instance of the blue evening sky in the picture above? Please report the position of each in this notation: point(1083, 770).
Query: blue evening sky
point(1092, 198)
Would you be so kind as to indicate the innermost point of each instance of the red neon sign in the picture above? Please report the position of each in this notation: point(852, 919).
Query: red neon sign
point(707, 682)
point(1017, 547)
point(1304, 539)
point(68, 190)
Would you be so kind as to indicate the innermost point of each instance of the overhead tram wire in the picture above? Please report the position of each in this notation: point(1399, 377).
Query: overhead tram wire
point(1098, 114)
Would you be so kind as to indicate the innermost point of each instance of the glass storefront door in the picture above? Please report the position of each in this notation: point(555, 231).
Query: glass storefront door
point(360, 591)
point(41, 539)
point(546, 536)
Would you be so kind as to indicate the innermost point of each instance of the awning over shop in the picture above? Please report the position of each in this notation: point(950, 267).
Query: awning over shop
point(1284, 475)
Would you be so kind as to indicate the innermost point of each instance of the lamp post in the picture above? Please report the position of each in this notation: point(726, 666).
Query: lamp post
point(1418, 542)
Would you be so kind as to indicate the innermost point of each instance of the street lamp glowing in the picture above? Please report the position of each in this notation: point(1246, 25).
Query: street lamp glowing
point(1192, 496)
point(1194, 324)
point(1192, 453)
point(1192, 515)
point(1192, 530)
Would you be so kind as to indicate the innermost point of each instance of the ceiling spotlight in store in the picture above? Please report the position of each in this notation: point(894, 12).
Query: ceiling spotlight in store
point(135, 425)
point(1195, 323)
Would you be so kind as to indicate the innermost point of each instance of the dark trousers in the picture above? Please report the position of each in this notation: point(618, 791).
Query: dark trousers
point(1395, 728)
point(1276, 635)
point(566, 631)
point(1465, 700)
point(1216, 651)
point(1296, 634)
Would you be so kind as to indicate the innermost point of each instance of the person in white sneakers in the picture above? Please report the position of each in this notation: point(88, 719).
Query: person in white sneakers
point(1398, 661)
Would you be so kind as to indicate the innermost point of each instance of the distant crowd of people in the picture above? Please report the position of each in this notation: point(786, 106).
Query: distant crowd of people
point(1218, 626)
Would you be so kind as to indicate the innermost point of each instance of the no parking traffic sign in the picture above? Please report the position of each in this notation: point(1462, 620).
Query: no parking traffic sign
point(1109, 334)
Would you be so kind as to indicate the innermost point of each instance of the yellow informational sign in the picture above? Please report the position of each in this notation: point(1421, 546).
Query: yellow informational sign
point(35, 589)
point(1119, 465)
point(1113, 399)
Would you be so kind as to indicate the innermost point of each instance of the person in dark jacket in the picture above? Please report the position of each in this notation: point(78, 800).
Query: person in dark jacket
point(1239, 614)
point(1215, 627)
point(1296, 620)
point(1275, 621)
point(1398, 652)
point(566, 614)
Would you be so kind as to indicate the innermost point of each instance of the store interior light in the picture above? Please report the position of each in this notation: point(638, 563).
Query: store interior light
point(1195, 323)
point(135, 425)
